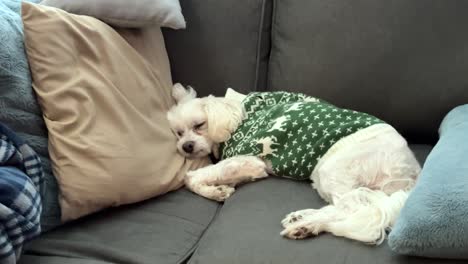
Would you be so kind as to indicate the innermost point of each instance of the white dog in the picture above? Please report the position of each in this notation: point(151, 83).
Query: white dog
point(365, 176)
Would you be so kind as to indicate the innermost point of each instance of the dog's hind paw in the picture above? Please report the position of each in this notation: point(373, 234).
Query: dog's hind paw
point(291, 219)
point(297, 216)
point(298, 231)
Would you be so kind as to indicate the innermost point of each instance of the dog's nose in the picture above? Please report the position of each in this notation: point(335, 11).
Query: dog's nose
point(188, 146)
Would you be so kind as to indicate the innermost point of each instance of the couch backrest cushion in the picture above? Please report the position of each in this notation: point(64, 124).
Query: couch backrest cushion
point(225, 44)
point(404, 61)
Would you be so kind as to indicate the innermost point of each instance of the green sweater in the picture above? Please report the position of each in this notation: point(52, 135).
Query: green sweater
point(292, 131)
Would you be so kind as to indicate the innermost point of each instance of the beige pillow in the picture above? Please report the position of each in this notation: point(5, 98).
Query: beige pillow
point(126, 13)
point(104, 106)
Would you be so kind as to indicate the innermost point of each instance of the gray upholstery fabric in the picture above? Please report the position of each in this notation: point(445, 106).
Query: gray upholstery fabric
point(247, 229)
point(163, 230)
point(58, 260)
point(225, 44)
point(404, 61)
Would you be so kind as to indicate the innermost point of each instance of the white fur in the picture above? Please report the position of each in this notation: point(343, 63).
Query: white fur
point(366, 184)
point(224, 116)
point(180, 94)
point(365, 177)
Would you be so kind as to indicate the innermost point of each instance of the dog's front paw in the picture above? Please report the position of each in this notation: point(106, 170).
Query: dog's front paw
point(222, 192)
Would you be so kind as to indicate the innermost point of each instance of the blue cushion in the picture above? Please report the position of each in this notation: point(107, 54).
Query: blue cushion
point(18, 107)
point(434, 220)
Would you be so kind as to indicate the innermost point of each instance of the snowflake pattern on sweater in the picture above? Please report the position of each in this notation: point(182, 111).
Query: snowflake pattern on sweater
point(292, 131)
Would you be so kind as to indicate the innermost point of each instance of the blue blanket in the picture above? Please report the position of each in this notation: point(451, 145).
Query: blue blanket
point(21, 178)
point(19, 109)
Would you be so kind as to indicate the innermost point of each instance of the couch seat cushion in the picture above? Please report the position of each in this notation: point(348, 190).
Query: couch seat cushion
point(247, 230)
point(162, 230)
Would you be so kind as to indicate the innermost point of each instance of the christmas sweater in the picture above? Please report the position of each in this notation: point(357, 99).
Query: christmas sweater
point(292, 131)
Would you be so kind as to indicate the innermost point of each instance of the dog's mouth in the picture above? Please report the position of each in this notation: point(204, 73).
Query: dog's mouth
point(194, 155)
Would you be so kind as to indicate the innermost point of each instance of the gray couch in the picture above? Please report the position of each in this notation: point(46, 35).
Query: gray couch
point(404, 61)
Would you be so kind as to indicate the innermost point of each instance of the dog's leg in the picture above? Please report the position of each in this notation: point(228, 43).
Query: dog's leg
point(198, 182)
point(225, 174)
point(308, 222)
point(231, 171)
point(361, 215)
point(366, 185)
point(241, 169)
point(330, 219)
point(217, 193)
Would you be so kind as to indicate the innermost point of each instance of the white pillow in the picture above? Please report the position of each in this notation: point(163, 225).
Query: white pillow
point(125, 13)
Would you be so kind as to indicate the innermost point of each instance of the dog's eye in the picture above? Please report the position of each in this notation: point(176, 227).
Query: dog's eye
point(180, 133)
point(199, 126)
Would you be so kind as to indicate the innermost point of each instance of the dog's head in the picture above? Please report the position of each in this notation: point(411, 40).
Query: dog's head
point(200, 124)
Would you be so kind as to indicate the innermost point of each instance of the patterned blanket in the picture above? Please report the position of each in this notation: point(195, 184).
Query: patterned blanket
point(21, 178)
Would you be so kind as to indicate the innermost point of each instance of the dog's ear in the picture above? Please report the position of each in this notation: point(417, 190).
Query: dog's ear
point(180, 94)
point(223, 116)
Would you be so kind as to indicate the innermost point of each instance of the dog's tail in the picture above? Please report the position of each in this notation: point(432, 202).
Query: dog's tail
point(370, 214)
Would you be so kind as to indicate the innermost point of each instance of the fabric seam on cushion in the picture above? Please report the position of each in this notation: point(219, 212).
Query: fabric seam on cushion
point(111, 20)
point(131, 23)
point(188, 256)
point(177, 217)
point(273, 38)
point(36, 253)
point(259, 46)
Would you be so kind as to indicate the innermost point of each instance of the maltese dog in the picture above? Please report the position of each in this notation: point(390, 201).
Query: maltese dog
point(361, 166)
